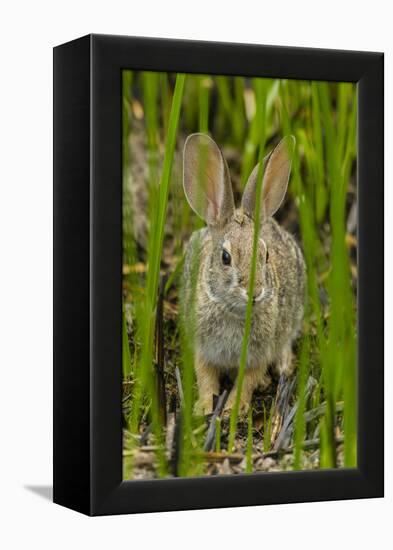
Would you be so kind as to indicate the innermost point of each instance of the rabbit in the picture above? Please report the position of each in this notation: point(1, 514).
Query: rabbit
point(221, 255)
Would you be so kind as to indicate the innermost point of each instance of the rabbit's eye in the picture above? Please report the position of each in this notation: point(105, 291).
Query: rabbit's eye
point(226, 257)
point(267, 256)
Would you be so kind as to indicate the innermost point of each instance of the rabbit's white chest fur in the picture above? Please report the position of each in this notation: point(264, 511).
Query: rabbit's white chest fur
point(220, 337)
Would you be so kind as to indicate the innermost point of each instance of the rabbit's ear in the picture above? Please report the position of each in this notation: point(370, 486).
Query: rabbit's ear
point(206, 180)
point(277, 167)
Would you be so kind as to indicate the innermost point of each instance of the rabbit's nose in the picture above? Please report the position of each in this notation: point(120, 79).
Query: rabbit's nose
point(254, 296)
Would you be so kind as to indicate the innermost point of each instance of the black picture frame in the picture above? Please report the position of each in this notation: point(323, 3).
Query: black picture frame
point(87, 274)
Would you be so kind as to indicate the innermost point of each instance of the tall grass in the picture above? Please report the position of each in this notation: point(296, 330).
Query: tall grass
point(249, 442)
point(336, 342)
point(145, 375)
point(249, 117)
point(126, 356)
point(310, 246)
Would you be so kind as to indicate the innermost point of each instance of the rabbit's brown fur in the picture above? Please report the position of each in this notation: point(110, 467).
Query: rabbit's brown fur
point(221, 290)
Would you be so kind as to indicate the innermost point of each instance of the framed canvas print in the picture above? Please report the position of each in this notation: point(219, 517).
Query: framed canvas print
point(218, 275)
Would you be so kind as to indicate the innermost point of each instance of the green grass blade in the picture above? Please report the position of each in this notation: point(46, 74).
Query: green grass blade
point(261, 114)
point(126, 356)
point(249, 465)
point(146, 378)
point(319, 185)
point(218, 435)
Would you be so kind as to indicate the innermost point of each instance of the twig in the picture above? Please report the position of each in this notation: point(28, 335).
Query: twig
point(175, 451)
point(211, 456)
point(352, 218)
point(284, 391)
point(179, 385)
point(211, 432)
point(145, 435)
point(311, 443)
point(320, 411)
point(170, 433)
point(286, 430)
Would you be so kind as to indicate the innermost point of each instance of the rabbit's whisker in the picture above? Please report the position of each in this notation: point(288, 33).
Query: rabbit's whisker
point(260, 296)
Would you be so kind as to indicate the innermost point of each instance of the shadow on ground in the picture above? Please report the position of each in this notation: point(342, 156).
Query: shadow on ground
point(44, 491)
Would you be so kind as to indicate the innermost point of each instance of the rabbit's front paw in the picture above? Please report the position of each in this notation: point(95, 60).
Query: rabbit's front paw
point(208, 385)
point(253, 378)
point(244, 404)
point(204, 405)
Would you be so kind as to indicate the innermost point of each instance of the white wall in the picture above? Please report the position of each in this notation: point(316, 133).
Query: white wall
point(28, 30)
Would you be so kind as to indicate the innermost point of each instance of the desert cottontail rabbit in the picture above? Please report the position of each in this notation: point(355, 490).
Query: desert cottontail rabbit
point(223, 267)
